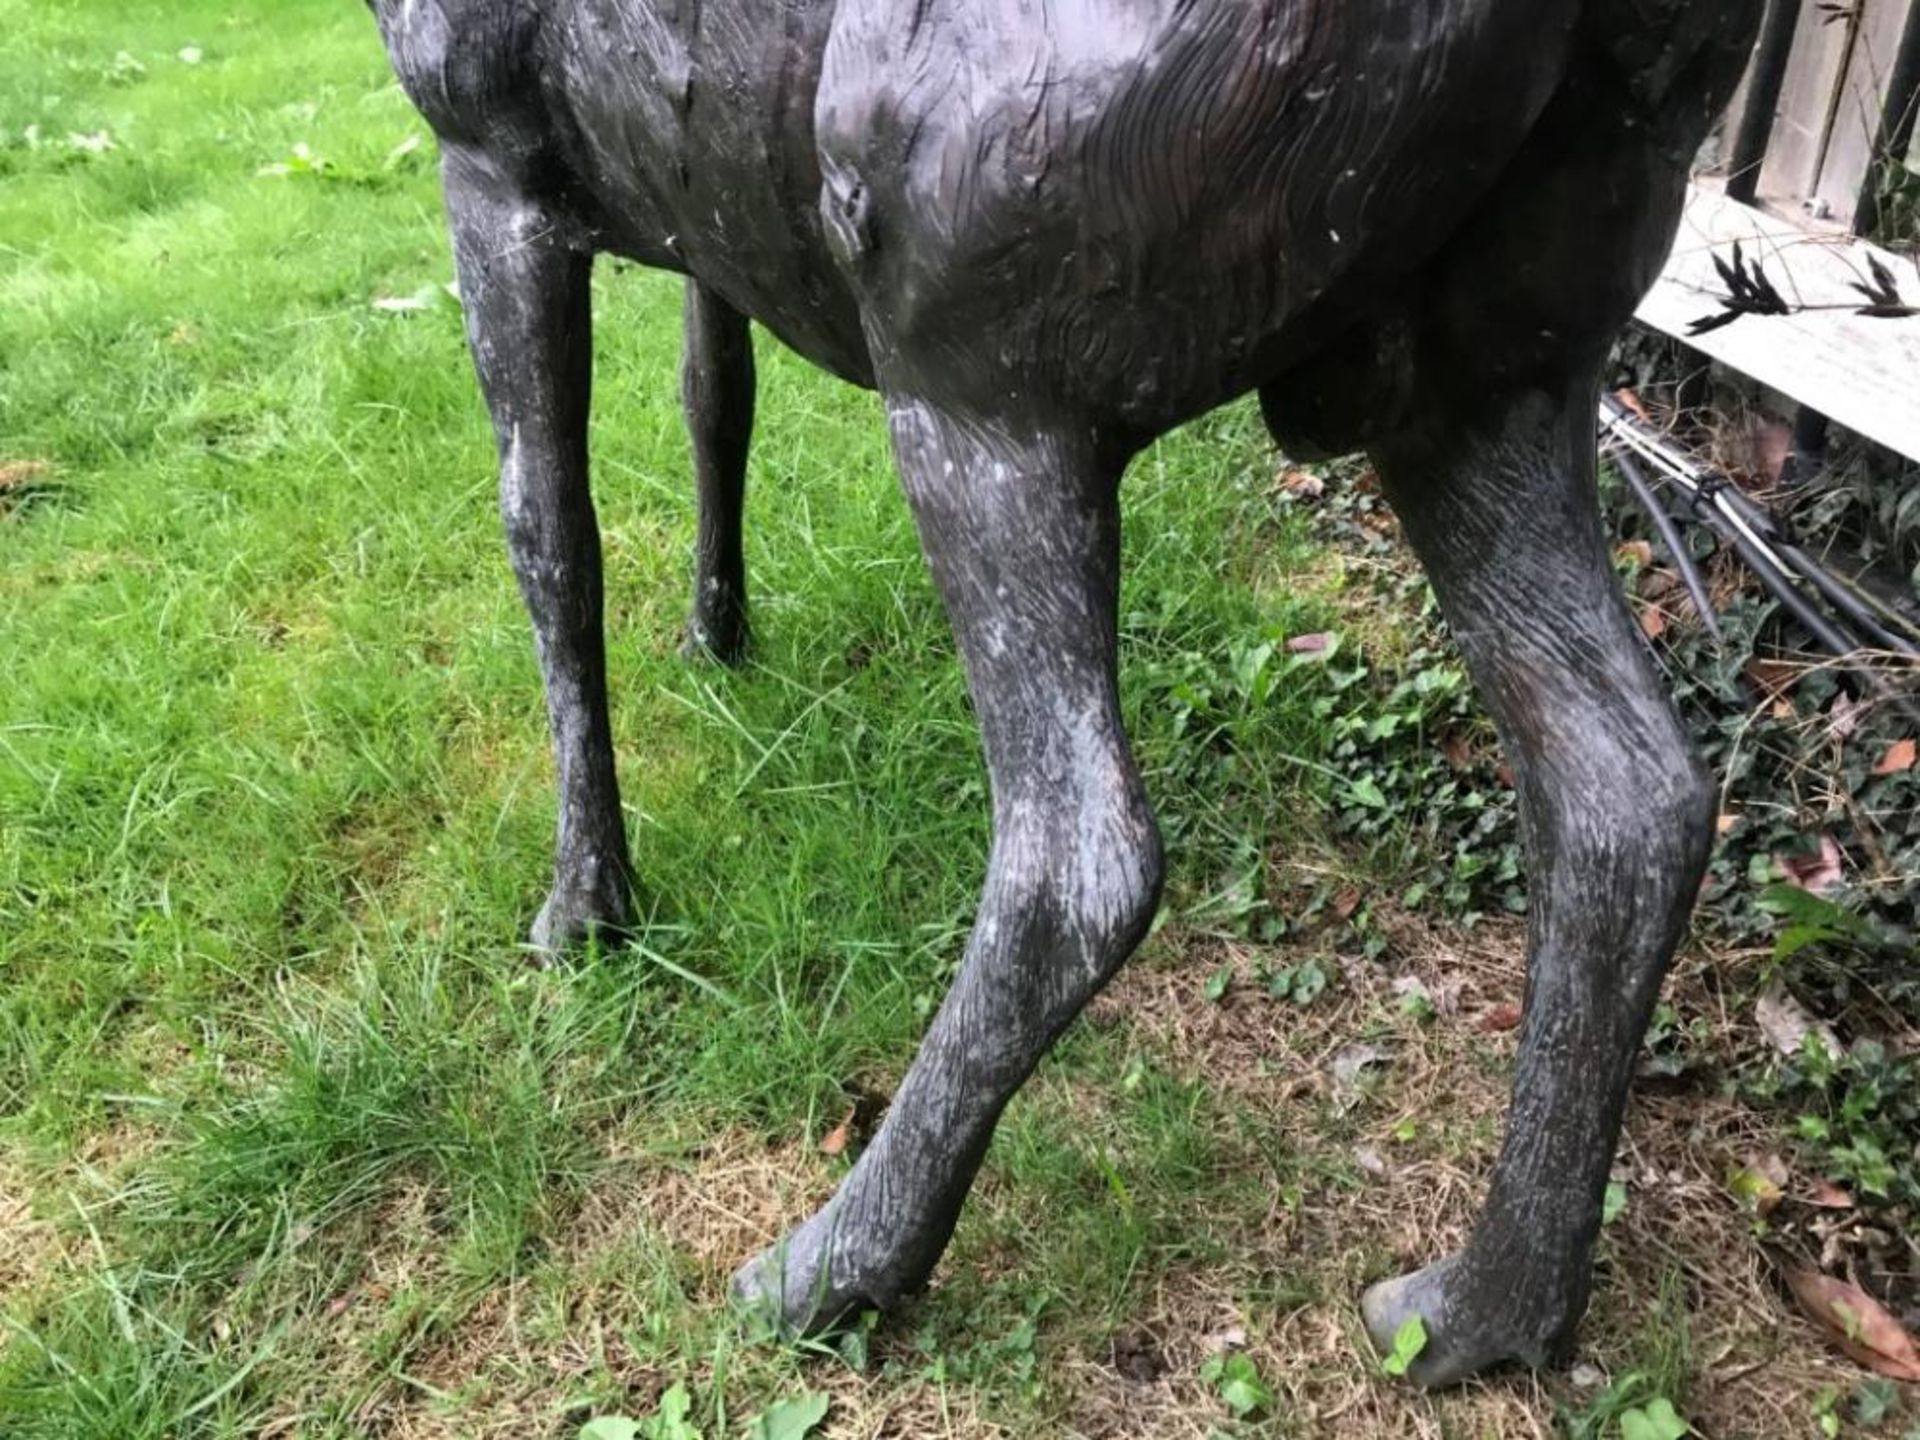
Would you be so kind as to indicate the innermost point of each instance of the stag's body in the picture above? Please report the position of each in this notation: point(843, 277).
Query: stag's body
point(1048, 231)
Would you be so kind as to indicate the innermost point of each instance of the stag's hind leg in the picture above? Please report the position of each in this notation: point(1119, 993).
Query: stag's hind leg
point(1617, 817)
point(524, 284)
point(717, 392)
point(1021, 528)
point(1489, 460)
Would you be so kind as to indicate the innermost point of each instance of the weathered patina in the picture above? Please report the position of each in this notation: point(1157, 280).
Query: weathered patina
point(1047, 231)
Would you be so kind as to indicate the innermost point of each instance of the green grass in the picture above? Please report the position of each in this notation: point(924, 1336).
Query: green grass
point(275, 803)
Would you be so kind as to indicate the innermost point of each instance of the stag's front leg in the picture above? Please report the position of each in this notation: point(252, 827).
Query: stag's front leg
point(1617, 817)
point(717, 392)
point(1022, 533)
point(524, 285)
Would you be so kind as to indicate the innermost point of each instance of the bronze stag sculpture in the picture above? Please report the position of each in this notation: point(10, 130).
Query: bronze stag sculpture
point(1047, 231)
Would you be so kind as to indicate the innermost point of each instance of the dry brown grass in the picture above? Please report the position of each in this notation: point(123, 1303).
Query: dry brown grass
point(1682, 1254)
point(1756, 1365)
point(1390, 1174)
point(29, 1246)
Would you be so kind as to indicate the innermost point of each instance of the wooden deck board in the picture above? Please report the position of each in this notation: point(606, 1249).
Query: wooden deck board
point(1864, 373)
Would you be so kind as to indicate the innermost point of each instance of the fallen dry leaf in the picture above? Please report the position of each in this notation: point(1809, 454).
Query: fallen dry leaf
point(1353, 1062)
point(1857, 1323)
point(1458, 753)
point(1345, 903)
point(1898, 759)
point(1772, 676)
point(1220, 1342)
point(1653, 622)
point(1303, 485)
point(1638, 551)
point(1786, 1023)
point(1843, 716)
point(1823, 871)
point(1827, 1196)
point(1633, 402)
point(1727, 821)
point(1309, 644)
point(1760, 1185)
point(1504, 1016)
point(834, 1142)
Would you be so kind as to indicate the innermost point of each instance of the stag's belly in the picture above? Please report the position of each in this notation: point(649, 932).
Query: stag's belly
point(690, 127)
point(1150, 207)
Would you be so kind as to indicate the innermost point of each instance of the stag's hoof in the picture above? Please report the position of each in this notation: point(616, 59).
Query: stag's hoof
point(801, 1289)
point(719, 634)
point(576, 915)
point(1470, 1328)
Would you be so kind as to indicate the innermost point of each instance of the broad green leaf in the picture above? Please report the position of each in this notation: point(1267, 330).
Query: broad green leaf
point(1408, 1343)
point(1615, 1205)
point(610, 1427)
point(1239, 1384)
point(792, 1419)
point(1657, 1420)
point(1366, 791)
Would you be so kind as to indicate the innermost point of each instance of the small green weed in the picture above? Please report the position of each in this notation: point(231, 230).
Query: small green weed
point(1409, 1343)
point(1236, 1380)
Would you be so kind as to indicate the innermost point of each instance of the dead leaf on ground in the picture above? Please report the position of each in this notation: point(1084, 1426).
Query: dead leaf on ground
point(1772, 676)
point(1234, 1337)
point(835, 1141)
point(1653, 622)
point(1303, 485)
point(1857, 1323)
point(1353, 1062)
point(1818, 873)
point(1309, 644)
point(1898, 759)
point(1458, 753)
point(1825, 1195)
point(1844, 715)
point(1496, 1018)
point(1638, 551)
point(1760, 1185)
point(1786, 1023)
point(1345, 903)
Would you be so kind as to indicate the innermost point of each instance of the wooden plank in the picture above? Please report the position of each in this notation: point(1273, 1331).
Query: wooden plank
point(1856, 120)
point(1805, 116)
point(1863, 372)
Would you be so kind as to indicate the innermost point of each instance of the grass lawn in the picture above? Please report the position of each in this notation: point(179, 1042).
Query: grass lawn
point(294, 1142)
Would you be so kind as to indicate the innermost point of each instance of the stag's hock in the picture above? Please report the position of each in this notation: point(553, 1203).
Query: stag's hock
point(1047, 233)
